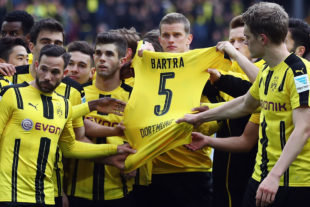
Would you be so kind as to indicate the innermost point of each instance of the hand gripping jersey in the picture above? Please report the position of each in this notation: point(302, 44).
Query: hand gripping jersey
point(281, 89)
point(32, 124)
point(91, 180)
point(167, 85)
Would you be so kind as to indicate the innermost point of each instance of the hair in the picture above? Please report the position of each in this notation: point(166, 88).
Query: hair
point(55, 51)
point(152, 37)
point(173, 18)
point(7, 44)
point(130, 35)
point(113, 38)
point(83, 47)
point(48, 24)
point(26, 19)
point(236, 22)
point(300, 31)
point(269, 19)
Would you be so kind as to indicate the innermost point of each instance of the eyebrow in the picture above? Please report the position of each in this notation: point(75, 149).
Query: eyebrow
point(45, 38)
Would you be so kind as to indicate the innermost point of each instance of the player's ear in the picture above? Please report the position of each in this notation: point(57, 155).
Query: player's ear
point(2, 61)
point(263, 38)
point(189, 39)
point(31, 46)
point(300, 50)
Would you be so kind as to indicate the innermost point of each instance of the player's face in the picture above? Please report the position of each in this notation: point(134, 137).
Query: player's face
point(255, 48)
point(18, 56)
point(49, 73)
point(11, 29)
point(173, 38)
point(45, 37)
point(237, 39)
point(106, 60)
point(290, 43)
point(79, 67)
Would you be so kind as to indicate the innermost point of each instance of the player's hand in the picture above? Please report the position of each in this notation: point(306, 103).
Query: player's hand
point(198, 141)
point(119, 129)
point(125, 149)
point(65, 200)
point(214, 75)
point(225, 46)
point(107, 105)
point(7, 69)
point(130, 175)
point(189, 118)
point(117, 160)
point(127, 71)
point(145, 46)
point(267, 190)
point(201, 108)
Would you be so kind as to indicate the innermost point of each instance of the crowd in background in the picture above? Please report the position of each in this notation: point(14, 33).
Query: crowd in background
point(83, 19)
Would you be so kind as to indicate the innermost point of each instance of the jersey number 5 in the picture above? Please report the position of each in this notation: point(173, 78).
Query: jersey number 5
point(163, 91)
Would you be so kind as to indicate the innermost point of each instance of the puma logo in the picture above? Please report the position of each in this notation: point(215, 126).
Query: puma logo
point(34, 106)
point(300, 71)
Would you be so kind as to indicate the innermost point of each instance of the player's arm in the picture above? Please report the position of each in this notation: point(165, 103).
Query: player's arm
point(76, 149)
point(233, 86)
point(104, 105)
point(268, 188)
point(235, 108)
point(6, 107)
point(7, 69)
point(94, 129)
point(243, 143)
point(247, 66)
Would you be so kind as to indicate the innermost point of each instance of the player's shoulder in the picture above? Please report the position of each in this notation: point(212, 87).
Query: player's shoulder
point(12, 87)
point(72, 83)
point(297, 65)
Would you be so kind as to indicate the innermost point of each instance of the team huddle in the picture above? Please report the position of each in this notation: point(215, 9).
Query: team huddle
point(130, 120)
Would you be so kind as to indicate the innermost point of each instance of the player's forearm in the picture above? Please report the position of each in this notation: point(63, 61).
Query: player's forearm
point(247, 66)
point(231, 144)
point(93, 129)
point(82, 150)
point(232, 109)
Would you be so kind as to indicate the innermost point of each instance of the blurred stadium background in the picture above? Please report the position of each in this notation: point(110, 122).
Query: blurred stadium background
point(83, 19)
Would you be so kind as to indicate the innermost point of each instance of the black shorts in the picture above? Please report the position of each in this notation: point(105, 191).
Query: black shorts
point(17, 204)
point(285, 197)
point(189, 189)
point(82, 202)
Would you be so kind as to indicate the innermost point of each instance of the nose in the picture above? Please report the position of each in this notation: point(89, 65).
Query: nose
point(74, 69)
point(237, 45)
point(25, 61)
point(102, 58)
point(48, 76)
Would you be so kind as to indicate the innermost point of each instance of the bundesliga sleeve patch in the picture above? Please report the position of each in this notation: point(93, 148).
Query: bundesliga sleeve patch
point(302, 83)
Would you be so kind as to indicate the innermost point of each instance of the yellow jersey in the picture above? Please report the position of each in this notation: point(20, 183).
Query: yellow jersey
point(281, 89)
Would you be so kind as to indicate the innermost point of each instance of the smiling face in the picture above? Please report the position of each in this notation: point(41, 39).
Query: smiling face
point(49, 73)
point(173, 38)
point(107, 61)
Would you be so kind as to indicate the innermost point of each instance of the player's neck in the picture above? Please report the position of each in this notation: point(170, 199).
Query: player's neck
point(107, 84)
point(275, 54)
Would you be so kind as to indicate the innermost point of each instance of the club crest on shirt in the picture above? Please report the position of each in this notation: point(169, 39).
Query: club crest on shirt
point(59, 110)
point(27, 124)
point(274, 83)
